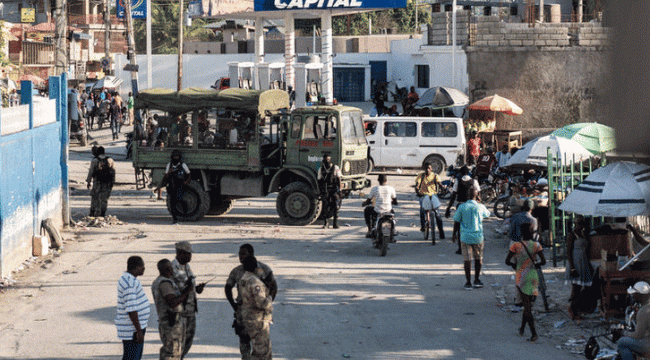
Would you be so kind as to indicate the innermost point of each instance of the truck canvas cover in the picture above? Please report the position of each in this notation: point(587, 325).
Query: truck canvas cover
point(191, 99)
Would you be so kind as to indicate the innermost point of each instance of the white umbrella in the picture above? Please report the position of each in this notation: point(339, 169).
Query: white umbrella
point(534, 152)
point(620, 189)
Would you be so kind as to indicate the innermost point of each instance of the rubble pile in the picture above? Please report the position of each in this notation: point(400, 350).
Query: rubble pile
point(91, 221)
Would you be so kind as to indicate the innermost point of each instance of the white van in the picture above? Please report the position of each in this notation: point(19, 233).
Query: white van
point(409, 142)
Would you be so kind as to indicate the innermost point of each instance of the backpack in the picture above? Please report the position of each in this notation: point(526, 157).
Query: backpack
point(104, 172)
point(463, 190)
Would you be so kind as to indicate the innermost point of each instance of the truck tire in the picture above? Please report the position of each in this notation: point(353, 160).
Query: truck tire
point(197, 200)
point(371, 165)
point(437, 163)
point(298, 204)
point(220, 205)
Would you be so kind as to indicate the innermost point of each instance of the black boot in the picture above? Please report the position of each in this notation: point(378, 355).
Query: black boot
point(335, 225)
point(325, 223)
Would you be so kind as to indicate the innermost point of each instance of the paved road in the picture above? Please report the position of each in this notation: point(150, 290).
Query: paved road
point(337, 298)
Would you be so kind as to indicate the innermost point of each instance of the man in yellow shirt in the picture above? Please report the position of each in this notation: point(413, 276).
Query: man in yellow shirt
point(426, 188)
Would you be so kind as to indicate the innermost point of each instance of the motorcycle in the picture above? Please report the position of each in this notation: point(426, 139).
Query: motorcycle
point(384, 232)
point(447, 186)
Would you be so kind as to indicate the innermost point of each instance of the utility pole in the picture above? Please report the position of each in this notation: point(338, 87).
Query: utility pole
point(179, 83)
point(61, 56)
point(107, 33)
point(131, 54)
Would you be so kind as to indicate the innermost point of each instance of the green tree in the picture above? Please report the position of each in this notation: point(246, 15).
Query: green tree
point(400, 20)
point(164, 29)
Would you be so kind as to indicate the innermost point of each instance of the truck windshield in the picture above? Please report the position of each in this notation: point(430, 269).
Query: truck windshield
point(352, 124)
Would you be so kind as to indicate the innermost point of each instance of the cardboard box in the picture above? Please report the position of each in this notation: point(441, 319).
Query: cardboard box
point(609, 244)
point(40, 245)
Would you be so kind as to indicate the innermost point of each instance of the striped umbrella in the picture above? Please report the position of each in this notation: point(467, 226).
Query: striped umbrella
point(620, 189)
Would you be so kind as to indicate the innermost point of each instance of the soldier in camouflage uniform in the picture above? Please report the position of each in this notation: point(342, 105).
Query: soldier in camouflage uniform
point(101, 185)
point(264, 273)
point(169, 300)
point(255, 311)
point(184, 278)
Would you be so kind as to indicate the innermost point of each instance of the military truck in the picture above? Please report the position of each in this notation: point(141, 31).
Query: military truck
point(247, 143)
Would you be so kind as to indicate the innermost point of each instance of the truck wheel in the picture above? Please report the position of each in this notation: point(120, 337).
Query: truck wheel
point(197, 203)
point(437, 163)
point(371, 165)
point(298, 204)
point(220, 205)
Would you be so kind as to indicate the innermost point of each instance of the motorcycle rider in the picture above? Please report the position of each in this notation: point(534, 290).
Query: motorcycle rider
point(384, 198)
point(637, 341)
point(426, 187)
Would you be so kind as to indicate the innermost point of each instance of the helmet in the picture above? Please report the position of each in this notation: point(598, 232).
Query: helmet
point(640, 287)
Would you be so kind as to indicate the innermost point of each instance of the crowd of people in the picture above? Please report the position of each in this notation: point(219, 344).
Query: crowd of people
point(175, 293)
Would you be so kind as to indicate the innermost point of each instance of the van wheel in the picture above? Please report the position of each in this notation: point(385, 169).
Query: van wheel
point(298, 204)
point(437, 163)
point(196, 203)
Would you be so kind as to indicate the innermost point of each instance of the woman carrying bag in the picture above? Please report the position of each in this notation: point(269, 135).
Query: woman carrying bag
point(527, 279)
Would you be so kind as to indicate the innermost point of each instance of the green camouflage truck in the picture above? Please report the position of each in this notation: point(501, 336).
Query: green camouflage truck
point(247, 143)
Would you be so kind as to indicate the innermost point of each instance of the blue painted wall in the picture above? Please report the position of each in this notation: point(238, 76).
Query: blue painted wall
point(31, 187)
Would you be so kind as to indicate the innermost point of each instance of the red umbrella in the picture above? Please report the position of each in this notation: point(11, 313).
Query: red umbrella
point(497, 103)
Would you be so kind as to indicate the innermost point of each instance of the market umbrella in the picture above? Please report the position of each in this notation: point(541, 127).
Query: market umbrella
point(620, 189)
point(595, 137)
point(440, 97)
point(534, 152)
point(497, 103)
point(107, 82)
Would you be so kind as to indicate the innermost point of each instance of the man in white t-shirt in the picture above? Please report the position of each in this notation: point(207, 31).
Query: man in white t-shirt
point(384, 198)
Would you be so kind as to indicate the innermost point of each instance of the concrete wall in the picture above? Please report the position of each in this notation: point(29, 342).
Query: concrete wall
point(31, 181)
point(556, 72)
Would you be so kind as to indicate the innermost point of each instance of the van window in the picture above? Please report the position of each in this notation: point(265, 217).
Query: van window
point(320, 127)
point(439, 129)
point(400, 129)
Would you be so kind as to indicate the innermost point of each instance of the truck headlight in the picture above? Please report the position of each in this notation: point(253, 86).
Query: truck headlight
point(346, 167)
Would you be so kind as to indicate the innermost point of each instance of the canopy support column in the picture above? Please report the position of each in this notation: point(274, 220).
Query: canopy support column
point(290, 50)
point(327, 57)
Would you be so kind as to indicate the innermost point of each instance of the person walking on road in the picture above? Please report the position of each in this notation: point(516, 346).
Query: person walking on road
point(133, 310)
point(255, 310)
point(184, 279)
point(116, 118)
point(524, 253)
point(460, 193)
point(426, 188)
point(329, 182)
point(102, 176)
point(177, 177)
point(170, 301)
point(262, 272)
point(468, 222)
point(130, 105)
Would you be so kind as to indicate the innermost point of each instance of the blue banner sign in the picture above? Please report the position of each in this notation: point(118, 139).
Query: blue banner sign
point(273, 5)
point(138, 9)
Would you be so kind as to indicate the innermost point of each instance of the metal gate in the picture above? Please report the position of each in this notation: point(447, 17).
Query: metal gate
point(561, 181)
point(349, 84)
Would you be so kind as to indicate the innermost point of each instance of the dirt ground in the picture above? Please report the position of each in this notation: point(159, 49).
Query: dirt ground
point(337, 297)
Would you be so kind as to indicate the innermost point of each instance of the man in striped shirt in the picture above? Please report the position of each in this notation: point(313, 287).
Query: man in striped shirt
point(133, 310)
